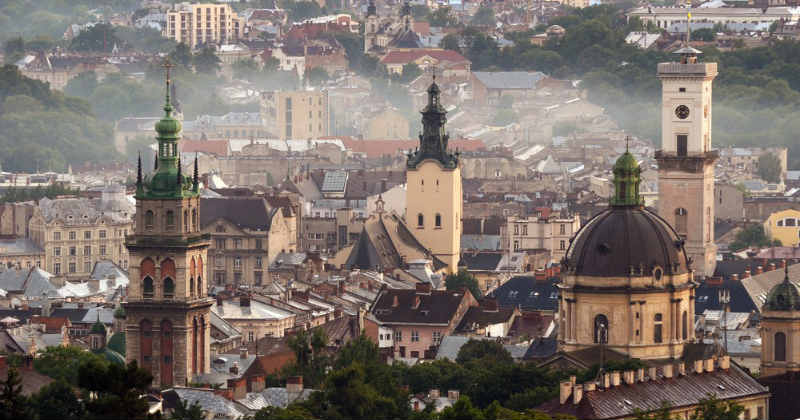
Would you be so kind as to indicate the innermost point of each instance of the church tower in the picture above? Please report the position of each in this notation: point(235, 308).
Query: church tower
point(433, 192)
point(167, 313)
point(686, 160)
point(780, 323)
point(371, 27)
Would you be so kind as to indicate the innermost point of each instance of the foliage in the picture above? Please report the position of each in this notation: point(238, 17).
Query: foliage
point(206, 61)
point(181, 55)
point(769, 168)
point(184, 411)
point(442, 17)
point(484, 16)
point(147, 40)
point(359, 62)
point(57, 400)
point(712, 408)
point(463, 279)
point(504, 116)
point(450, 42)
point(293, 412)
point(317, 76)
point(484, 350)
point(565, 128)
point(704, 34)
point(118, 390)
point(410, 72)
point(310, 359)
point(752, 236)
point(462, 410)
point(299, 11)
point(62, 363)
point(20, 194)
point(98, 38)
point(12, 402)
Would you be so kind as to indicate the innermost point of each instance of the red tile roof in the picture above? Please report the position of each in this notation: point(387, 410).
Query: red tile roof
point(407, 56)
point(213, 147)
point(378, 148)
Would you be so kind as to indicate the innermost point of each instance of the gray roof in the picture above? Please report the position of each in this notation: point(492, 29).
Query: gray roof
point(256, 310)
point(223, 326)
point(334, 181)
point(85, 211)
point(19, 246)
point(33, 282)
point(106, 269)
point(213, 404)
point(273, 397)
point(509, 79)
point(451, 345)
point(480, 242)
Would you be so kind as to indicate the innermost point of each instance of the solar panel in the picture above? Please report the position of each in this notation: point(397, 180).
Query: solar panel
point(334, 181)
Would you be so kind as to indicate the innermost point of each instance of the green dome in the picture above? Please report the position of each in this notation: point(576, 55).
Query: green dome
point(168, 127)
point(117, 342)
point(110, 355)
point(784, 296)
point(627, 177)
point(98, 328)
point(626, 163)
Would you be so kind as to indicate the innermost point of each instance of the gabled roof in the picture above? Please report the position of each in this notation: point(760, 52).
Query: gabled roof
point(528, 293)
point(407, 56)
point(247, 213)
point(439, 307)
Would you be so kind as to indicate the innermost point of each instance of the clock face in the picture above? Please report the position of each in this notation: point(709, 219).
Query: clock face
point(682, 112)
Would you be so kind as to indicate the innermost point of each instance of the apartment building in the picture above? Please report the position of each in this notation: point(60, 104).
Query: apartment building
point(203, 24)
point(535, 233)
point(75, 233)
point(296, 114)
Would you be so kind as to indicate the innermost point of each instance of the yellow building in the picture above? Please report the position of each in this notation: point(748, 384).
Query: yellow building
point(296, 114)
point(433, 193)
point(784, 226)
point(203, 23)
point(387, 125)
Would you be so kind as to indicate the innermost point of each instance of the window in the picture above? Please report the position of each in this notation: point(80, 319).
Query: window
point(681, 221)
point(438, 221)
point(57, 268)
point(186, 220)
point(87, 267)
point(219, 278)
point(237, 243)
point(516, 245)
point(259, 261)
point(658, 328)
point(525, 230)
point(72, 251)
point(398, 336)
point(72, 267)
point(414, 336)
point(102, 250)
point(148, 219)
point(56, 236)
point(683, 141)
point(169, 288)
point(420, 220)
point(258, 278)
point(72, 236)
point(57, 251)
point(102, 234)
point(563, 229)
point(600, 329)
point(250, 336)
point(685, 325)
point(87, 234)
point(683, 89)
point(220, 243)
point(237, 263)
point(516, 229)
point(789, 222)
point(780, 347)
point(220, 229)
point(87, 250)
point(259, 244)
point(760, 413)
point(562, 245)
point(170, 219)
point(437, 337)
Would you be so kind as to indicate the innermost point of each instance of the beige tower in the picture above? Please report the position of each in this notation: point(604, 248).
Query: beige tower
point(686, 160)
point(433, 192)
point(167, 324)
point(371, 27)
point(780, 324)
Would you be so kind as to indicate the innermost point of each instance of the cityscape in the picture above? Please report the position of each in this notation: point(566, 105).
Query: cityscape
point(397, 209)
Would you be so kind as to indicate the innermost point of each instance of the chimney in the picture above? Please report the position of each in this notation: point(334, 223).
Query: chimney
point(244, 301)
point(577, 394)
point(234, 369)
point(708, 365)
point(771, 266)
point(725, 362)
point(682, 369)
point(735, 277)
point(294, 384)
point(453, 395)
point(565, 389)
point(783, 263)
point(698, 366)
point(423, 288)
point(640, 375)
point(243, 352)
point(395, 302)
point(589, 386)
point(433, 394)
point(573, 380)
point(615, 378)
point(759, 270)
point(652, 373)
point(629, 377)
point(668, 370)
point(606, 381)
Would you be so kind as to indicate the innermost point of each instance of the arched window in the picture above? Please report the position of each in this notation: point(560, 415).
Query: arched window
point(658, 327)
point(621, 192)
point(148, 219)
point(199, 286)
point(438, 220)
point(600, 329)
point(186, 220)
point(420, 220)
point(147, 287)
point(194, 219)
point(146, 344)
point(685, 326)
point(681, 220)
point(169, 288)
point(170, 219)
point(191, 286)
point(780, 347)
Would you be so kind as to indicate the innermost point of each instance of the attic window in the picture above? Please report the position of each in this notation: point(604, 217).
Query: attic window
point(682, 89)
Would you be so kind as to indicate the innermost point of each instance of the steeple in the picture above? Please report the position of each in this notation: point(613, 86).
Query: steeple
point(196, 177)
point(139, 186)
point(434, 138)
point(371, 9)
point(627, 177)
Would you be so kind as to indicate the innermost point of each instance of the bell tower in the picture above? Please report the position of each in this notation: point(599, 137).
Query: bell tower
point(780, 323)
point(433, 192)
point(167, 313)
point(686, 159)
point(371, 27)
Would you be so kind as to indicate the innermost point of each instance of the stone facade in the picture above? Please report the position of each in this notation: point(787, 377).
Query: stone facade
point(203, 23)
point(296, 114)
point(728, 202)
point(551, 234)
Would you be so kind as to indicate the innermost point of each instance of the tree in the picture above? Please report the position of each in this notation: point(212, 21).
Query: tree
point(184, 411)
point(245, 69)
point(299, 11)
point(451, 42)
point(82, 85)
point(12, 402)
point(712, 408)
point(317, 76)
point(410, 72)
point(98, 38)
point(751, 236)
point(291, 412)
point(63, 363)
point(206, 61)
point(487, 351)
point(119, 390)
point(462, 410)
point(463, 280)
point(57, 400)
point(704, 34)
point(484, 16)
point(769, 168)
point(442, 17)
point(181, 55)
point(14, 49)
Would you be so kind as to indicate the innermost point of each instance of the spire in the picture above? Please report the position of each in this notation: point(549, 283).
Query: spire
point(180, 174)
point(626, 181)
point(371, 9)
point(155, 162)
point(167, 103)
point(434, 137)
point(139, 185)
point(196, 178)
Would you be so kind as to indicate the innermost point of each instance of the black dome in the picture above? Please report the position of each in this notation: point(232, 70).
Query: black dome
point(623, 241)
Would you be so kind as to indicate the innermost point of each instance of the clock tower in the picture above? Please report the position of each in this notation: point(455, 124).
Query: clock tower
point(686, 160)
